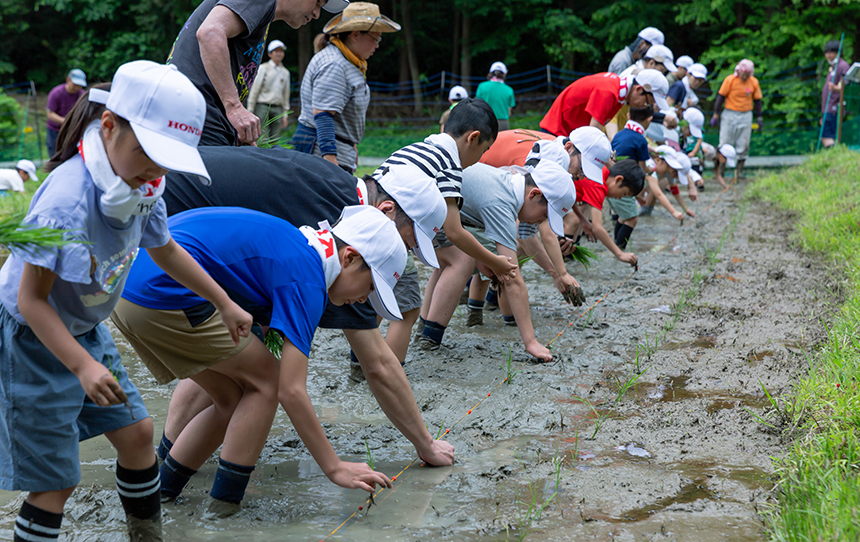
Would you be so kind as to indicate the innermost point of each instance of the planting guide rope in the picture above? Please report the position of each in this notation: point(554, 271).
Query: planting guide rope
point(371, 500)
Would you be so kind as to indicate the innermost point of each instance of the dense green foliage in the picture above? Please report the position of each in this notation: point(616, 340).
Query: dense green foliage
point(819, 489)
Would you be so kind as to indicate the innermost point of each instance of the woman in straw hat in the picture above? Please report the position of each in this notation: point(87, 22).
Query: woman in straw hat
point(334, 90)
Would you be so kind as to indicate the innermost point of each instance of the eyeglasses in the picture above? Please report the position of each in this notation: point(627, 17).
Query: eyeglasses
point(367, 33)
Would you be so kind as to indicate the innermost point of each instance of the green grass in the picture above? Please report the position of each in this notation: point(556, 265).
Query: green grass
point(819, 486)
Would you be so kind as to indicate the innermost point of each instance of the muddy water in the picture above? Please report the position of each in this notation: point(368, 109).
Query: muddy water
point(679, 456)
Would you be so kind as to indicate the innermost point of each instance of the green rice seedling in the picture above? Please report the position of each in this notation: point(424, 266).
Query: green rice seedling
point(584, 255)
point(557, 468)
point(599, 419)
point(525, 260)
point(624, 387)
point(536, 505)
point(441, 428)
point(589, 319)
point(274, 342)
point(13, 234)
point(507, 367)
point(369, 456)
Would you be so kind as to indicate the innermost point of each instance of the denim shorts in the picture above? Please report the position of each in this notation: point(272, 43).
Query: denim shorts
point(44, 412)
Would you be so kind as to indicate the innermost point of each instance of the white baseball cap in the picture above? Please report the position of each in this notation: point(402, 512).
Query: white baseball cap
point(335, 6)
point(686, 166)
point(694, 176)
point(663, 55)
point(274, 44)
point(684, 62)
point(165, 110)
point(458, 93)
point(668, 154)
point(29, 168)
point(78, 77)
point(499, 67)
point(652, 36)
point(376, 238)
point(698, 70)
point(730, 153)
point(696, 119)
point(655, 83)
point(595, 150)
point(419, 197)
point(556, 186)
point(549, 149)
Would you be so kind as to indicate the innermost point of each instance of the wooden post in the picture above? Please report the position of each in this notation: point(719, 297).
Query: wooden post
point(38, 122)
point(548, 81)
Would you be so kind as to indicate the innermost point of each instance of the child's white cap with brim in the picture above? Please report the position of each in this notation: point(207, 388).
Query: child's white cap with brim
point(696, 119)
point(668, 154)
point(557, 187)
point(376, 238)
point(419, 197)
point(730, 153)
point(165, 110)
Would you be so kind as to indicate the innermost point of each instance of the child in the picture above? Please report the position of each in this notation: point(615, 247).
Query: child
point(284, 276)
point(62, 377)
point(456, 94)
point(691, 130)
point(722, 157)
point(494, 199)
point(13, 181)
point(469, 132)
point(670, 168)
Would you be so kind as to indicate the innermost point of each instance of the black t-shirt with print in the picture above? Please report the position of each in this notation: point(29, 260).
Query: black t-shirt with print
point(246, 55)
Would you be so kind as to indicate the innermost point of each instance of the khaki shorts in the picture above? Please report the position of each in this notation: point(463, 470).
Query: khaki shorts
point(169, 345)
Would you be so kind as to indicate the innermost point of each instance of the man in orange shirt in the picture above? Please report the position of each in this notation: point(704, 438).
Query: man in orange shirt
point(741, 94)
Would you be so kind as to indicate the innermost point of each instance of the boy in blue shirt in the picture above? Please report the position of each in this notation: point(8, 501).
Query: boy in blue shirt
point(284, 276)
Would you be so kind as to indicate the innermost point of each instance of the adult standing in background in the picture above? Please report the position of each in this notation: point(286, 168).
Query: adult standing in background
point(61, 99)
point(334, 90)
point(270, 97)
point(220, 48)
point(625, 58)
point(498, 94)
point(831, 93)
point(741, 94)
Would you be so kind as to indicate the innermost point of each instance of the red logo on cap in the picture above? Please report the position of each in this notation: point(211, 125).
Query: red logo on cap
point(182, 127)
point(565, 209)
point(397, 275)
point(436, 230)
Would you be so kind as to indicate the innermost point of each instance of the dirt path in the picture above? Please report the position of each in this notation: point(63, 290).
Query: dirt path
point(679, 456)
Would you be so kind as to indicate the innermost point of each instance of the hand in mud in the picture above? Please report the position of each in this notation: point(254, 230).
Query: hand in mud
point(678, 215)
point(358, 476)
point(440, 454)
point(629, 257)
point(100, 385)
point(574, 296)
point(505, 268)
point(690, 212)
point(570, 289)
point(539, 351)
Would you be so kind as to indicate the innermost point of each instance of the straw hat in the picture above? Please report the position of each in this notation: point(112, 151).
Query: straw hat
point(362, 16)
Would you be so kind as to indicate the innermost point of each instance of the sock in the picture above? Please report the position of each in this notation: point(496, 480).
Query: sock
point(421, 323)
point(509, 320)
point(37, 525)
point(492, 297)
point(617, 225)
point(230, 482)
point(622, 235)
point(138, 491)
point(174, 477)
point(469, 282)
point(353, 358)
point(164, 447)
point(476, 305)
point(433, 331)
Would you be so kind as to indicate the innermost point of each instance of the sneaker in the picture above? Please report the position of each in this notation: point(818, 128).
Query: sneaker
point(476, 318)
point(356, 374)
point(144, 530)
point(217, 509)
point(427, 344)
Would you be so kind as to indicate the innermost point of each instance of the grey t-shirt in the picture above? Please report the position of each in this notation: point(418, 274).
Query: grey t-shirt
point(333, 83)
point(622, 60)
point(246, 55)
point(91, 273)
point(490, 203)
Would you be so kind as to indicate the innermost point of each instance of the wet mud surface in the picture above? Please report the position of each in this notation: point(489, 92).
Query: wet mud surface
point(679, 455)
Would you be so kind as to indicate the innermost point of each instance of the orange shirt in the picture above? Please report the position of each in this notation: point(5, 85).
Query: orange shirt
point(739, 94)
point(512, 146)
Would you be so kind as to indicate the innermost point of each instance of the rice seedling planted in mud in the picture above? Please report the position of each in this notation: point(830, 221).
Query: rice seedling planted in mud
point(534, 507)
point(507, 367)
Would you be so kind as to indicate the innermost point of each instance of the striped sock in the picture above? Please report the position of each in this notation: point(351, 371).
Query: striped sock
point(139, 491)
point(230, 482)
point(37, 525)
point(434, 331)
point(174, 477)
point(476, 305)
point(509, 320)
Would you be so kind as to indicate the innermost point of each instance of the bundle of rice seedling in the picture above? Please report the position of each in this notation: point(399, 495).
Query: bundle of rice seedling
point(275, 343)
point(583, 255)
point(13, 234)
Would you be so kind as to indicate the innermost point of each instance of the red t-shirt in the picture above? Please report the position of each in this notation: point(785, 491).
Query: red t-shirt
point(511, 147)
point(591, 192)
point(591, 96)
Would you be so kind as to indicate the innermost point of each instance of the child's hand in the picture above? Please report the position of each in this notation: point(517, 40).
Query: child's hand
point(694, 195)
point(539, 351)
point(629, 257)
point(678, 215)
point(237, 321)
point(690, 212)
point(357, 476)
point(504, 268)
point(100, 385)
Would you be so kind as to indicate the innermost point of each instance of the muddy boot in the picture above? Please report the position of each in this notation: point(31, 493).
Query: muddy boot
point(476, 318)
point(216, 509)
point(356, 374)
point(510, 320)
point(739, 170)
point(427, 344)
point(144, 530)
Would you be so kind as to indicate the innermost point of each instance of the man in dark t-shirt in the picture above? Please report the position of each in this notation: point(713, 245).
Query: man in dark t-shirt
point(220, 48)
point(303, 189)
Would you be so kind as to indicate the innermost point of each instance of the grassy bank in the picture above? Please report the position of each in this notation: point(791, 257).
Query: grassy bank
point(819, 487)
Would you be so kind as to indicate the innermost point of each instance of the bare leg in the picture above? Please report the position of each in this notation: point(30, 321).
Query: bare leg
point(51, 501)
point(188, 401)
point(428, 291)
point(399, 333)
point(453, 278)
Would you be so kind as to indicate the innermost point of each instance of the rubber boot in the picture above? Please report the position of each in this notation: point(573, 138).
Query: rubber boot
point(144, 530)
point(217, 509)
point(739, 170)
